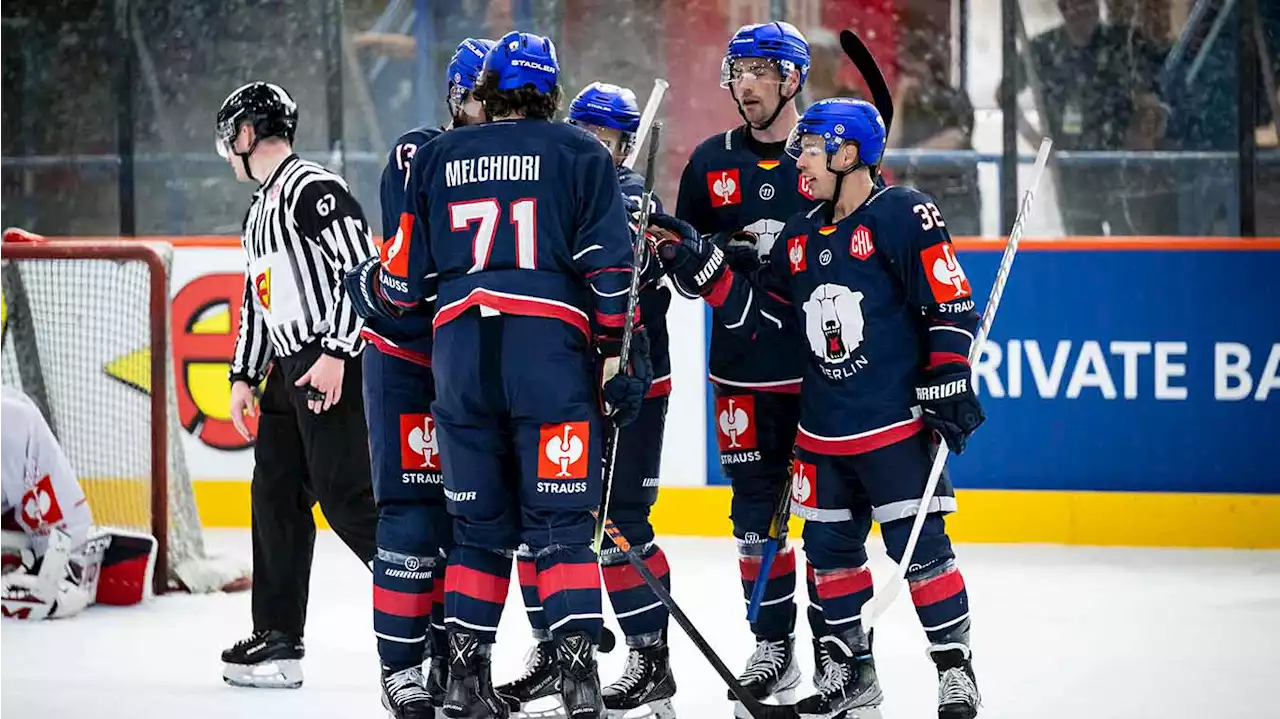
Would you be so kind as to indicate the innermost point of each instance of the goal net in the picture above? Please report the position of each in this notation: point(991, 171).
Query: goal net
point(86, 336)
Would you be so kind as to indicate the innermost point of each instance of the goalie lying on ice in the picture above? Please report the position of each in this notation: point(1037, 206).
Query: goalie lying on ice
point(55, 562)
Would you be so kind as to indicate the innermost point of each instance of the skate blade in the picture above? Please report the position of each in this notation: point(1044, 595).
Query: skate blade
point(549, 707)
point(854, 713)
point(660, 709)
point(280, 674)
point(784, 697)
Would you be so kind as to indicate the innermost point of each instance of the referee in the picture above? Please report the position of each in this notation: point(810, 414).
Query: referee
point(302, 233)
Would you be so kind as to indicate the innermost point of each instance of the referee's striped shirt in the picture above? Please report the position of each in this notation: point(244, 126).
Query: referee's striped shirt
point(302, 233)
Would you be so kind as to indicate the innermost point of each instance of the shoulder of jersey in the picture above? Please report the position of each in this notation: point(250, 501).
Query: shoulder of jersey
point(316, 171)
point(419, 136)
point(726, 141)
point(895, 197)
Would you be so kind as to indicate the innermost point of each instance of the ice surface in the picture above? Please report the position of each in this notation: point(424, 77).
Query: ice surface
point(1058, 632)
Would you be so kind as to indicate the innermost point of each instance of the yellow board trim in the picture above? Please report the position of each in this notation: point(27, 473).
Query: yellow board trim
point(1141, 519)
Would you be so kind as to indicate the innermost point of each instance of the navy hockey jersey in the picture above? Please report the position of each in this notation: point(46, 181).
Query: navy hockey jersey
point(655, 296)
point(733, 182)
point(409, 335)
point(876, 298)
point(519, 216)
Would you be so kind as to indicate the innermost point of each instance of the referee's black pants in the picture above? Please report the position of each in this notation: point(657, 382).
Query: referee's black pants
point(301, 457)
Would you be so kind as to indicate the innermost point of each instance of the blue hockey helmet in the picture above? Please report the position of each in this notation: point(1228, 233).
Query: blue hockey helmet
point(839, 120)
point(464, 70)
point(778, 41)
point(467, 61)
point(606, 105)
point(522, 58)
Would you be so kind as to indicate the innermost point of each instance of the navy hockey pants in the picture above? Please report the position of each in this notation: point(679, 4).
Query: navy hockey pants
point(521, 434)
point(415, 531)
point(756, 432)
point(840, 496)
point(642, 617)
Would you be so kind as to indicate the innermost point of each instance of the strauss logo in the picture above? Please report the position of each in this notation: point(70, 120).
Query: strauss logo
point(564, 450)
point(801, 487)
point(734, 421)
point(422, 439)
point(947, 270)
point(724, 187)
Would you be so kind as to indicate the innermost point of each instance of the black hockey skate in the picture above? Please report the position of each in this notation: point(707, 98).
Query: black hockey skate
point(646, 682)
point(404, 694)
point(772, 673)
point(579, 677)
point(958, 696)
point(264, 660)
point(540, 680)
point(470, 693)
point(849, 687)
point(437, 677)
point(820, 660)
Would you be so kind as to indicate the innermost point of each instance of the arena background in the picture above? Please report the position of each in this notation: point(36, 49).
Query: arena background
point(1133, 375)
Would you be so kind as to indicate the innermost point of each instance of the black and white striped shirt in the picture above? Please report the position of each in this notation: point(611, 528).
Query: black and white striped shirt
point(302, 233)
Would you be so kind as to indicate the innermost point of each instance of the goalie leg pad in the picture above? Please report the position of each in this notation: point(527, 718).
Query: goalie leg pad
point(128, 565)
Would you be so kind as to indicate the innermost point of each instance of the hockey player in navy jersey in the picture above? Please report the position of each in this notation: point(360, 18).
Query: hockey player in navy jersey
point(415, 532)
point(516, 230)
point(611, 114)
point(739, 187)
point(887, 315)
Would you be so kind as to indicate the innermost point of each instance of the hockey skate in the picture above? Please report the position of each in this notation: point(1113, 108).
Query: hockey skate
point(958, 696)
point(579, 677)
point(820, 660)
point(404, 695)
point(848, 688)
point(470, 694)
point(645, 687)
point(539, 685)
point(437, 678)
point(264, 660)
point(772, 673)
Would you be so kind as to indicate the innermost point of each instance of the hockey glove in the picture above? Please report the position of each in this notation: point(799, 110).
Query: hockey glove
point(951, 408)
point(695, 262)
point(741, 251)
point(362, 289)
point(621, 392)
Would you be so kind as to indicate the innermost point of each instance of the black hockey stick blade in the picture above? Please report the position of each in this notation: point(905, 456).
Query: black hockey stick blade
point(870, 70)
point(753, 706)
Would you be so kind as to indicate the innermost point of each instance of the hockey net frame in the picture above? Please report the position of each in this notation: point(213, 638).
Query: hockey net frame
point(193, 571)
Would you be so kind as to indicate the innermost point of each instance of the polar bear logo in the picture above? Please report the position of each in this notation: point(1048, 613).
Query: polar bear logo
point(833, 322)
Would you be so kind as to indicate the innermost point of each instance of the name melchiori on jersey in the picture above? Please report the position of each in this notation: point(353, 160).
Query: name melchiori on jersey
point(488, 168)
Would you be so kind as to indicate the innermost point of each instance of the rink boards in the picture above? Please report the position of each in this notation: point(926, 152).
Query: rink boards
point(1132, 389)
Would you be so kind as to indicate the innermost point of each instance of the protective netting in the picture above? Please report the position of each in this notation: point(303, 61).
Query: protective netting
point(77, 339)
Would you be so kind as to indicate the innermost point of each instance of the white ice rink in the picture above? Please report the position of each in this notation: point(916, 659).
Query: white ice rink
point(1058, 632)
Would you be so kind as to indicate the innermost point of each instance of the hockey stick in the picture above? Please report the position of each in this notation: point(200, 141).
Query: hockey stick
point(646, 121)
point(875, 607)
point(752, 705)
point(870, 70)
point(867, 66)
point(629, 322)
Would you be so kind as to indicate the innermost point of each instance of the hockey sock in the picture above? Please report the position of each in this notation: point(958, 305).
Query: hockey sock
point(641, 615)
point(817, 623)
point(402, 590)
point(527, 569)
point(569, 587)
point(842, 593)
point(475, 589)
point(439, 636)
point(941, 603)
point(777, 617)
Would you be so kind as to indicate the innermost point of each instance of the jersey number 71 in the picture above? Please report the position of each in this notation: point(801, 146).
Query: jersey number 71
point(524, 218)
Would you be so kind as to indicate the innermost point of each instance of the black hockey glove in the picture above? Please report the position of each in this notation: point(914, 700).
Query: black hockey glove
point(740, 251)
point(951, 408)
point(695, 262)
point(623, 392)
point(361, 286)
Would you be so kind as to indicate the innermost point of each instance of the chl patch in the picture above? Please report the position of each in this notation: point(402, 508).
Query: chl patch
point(861, 245)
point(804, 483)
point(803, 186)
point(725, 188)
point(395, 253)
point(262, 288)
point(796, 254)
point(736, 421)
point(419, 448)
point(946, 277)
point(562, 450)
